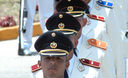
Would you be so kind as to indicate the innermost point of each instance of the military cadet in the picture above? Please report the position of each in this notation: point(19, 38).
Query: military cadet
point(53, 47)
point(68, 25)
point(94, 56)
point(65, 23)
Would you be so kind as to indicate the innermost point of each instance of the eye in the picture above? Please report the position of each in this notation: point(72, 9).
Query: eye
point(59, 59)
point(46, 58)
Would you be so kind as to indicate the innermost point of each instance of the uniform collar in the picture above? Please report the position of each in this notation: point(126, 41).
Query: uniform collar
point(90, 4)
point(79, 44)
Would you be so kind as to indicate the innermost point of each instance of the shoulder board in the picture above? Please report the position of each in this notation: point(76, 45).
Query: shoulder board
point(90, 63)
point(99, 18)
point(98, 43)
point(35, 68)
point(105, 3)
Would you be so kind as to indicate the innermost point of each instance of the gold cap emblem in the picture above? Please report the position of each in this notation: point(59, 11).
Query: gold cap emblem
point(70, 8)
point(53, 34)
point(61, 25)
point(53, 45)
point(60, 16)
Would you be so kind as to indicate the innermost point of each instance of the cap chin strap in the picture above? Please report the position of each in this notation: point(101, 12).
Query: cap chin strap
point(68, 30)
point(69, 12)
point(53, 54)
point(68, 33)
point(76, 13)
point(54, 50)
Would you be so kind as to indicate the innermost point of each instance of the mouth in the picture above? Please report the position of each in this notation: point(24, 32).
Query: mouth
point(52, 69)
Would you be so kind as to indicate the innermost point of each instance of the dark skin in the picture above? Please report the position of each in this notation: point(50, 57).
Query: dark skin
point(86, 1)
point(82, 22)
point(53, 67)
point(72, 38)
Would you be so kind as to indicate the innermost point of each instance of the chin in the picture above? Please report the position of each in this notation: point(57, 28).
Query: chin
point(52, 73)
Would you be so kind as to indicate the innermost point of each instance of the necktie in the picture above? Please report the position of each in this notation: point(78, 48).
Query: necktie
point(65, 74)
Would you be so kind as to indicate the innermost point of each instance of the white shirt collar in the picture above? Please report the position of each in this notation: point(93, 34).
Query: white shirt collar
point(79, 44)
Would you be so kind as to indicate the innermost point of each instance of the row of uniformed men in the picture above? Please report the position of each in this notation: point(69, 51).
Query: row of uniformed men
point(93, 56)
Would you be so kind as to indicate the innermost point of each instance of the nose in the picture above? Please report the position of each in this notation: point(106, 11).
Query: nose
point(53, 61)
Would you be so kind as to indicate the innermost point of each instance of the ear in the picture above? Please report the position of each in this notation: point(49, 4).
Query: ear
point(76, 43)
point(85, 21)
point(70, 55)
point(67, 64)
point(55, 11)
point(39, 63)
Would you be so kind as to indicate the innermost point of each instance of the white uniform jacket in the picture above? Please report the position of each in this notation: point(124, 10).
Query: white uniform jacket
point(117, 28)
point(94, 54)
point(95, 29)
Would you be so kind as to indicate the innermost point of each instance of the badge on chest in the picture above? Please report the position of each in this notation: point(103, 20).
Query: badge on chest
point(80, 67)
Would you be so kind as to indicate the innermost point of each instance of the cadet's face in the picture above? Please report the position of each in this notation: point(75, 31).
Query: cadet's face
point(73, 39)
point(82, 22)
point(86, 1)
point(53, 66)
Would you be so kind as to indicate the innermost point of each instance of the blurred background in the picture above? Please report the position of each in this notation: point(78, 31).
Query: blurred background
point(11, 8)
point(12, 65)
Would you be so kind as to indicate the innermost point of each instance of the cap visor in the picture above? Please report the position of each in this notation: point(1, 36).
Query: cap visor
point(53, 54)
point(68, 33)
point(76, 14)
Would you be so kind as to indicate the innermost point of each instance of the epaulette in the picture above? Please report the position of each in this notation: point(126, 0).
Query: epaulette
point(100, 18)
point(35, 68)
point(105, 3)
point(98, 43)
point(90, 63)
